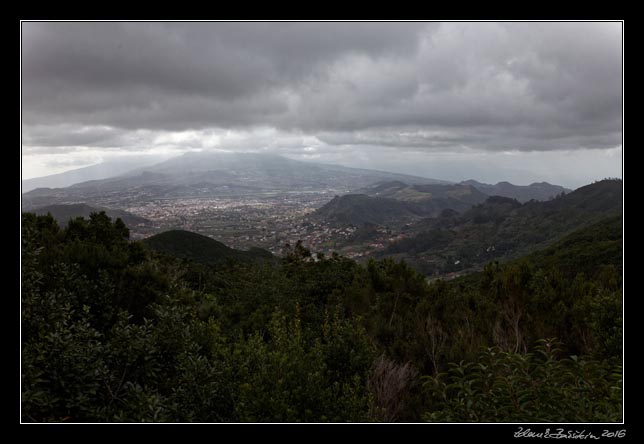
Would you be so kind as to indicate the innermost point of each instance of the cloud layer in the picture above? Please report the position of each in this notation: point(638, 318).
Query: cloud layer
point(306, 87)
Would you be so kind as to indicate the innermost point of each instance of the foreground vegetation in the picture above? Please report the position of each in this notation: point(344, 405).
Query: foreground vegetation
point(114, 331)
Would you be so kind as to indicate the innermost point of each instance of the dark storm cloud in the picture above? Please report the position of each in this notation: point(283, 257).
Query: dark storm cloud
point(434, 86)
point(184, 74)
point(56, 135)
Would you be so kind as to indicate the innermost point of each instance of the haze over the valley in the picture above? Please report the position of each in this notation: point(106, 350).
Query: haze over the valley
point(519, 102)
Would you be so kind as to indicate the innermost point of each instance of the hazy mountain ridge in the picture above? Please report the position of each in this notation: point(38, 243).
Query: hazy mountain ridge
point(100, 171)
point(238, 163)
point(396, 203)
point(413, 191)
point(429, 199)
point(522, 193)
point(241, 174)
point(228, 173)
point(503, 228)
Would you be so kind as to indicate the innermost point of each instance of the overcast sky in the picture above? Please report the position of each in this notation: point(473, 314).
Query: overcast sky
point(522, 102)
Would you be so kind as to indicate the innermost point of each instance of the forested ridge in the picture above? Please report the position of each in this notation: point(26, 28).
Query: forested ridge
point(502, 228)
point(113, 331)
point(199, 248)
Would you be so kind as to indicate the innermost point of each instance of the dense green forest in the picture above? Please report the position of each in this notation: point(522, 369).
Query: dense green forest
point(115, 331)
point(200, 248)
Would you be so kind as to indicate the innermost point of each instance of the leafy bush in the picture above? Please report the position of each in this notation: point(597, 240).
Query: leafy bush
point(534, 387)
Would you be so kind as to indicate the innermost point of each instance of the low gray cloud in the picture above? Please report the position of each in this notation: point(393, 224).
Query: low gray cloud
point(186, 75)
point(410, 86)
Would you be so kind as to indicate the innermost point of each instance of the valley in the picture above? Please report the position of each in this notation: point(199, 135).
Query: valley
point(249, 200)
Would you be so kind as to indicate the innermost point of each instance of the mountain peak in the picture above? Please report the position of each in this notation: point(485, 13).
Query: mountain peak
point(212, 174)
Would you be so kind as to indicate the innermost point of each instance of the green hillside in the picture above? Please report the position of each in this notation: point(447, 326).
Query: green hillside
point(193, 246)
point(358, 209)
point(586, 250)
point(395, 203)
point(502, 228)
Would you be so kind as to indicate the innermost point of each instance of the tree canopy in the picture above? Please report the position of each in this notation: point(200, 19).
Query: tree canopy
point(113, 331)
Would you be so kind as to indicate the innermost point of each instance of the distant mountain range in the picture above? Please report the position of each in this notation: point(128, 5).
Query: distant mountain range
point(522, 193)
point(63, 213)
point(193, 246)
point(215, 174)
point(94, 172)
point(395, 203)
point(365, 196)
point(416, 192)
point(503, 228)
